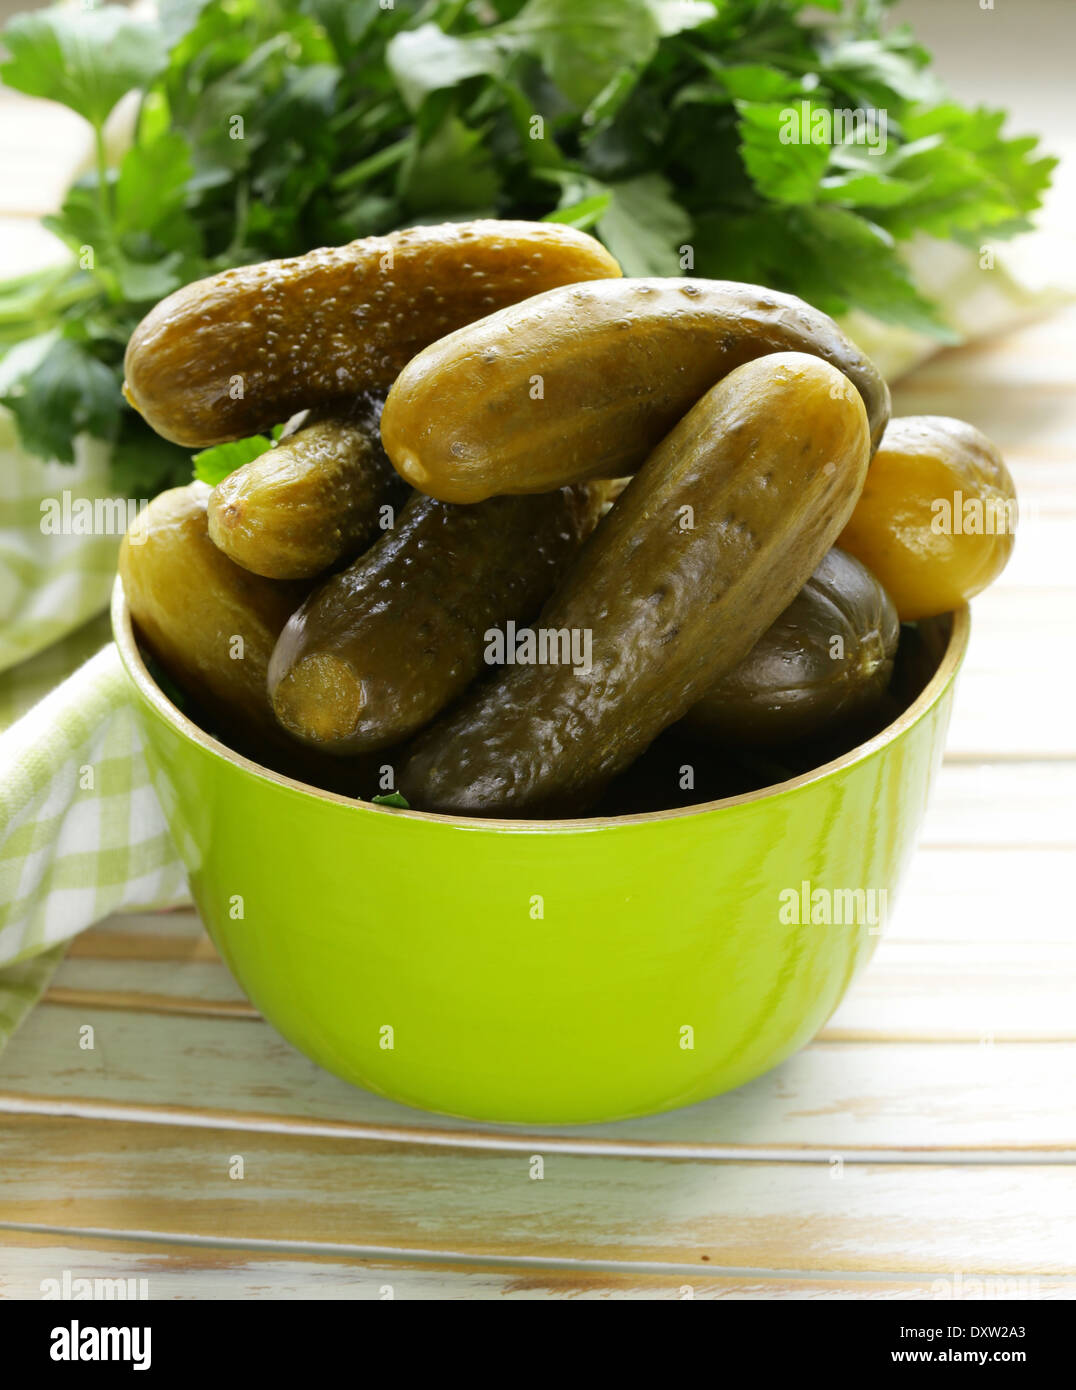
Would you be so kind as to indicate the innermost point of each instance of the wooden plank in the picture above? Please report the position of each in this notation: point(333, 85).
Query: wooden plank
point(863, 1099)
point(384, 1198)
point(1042, 555)
point(980, 896)
point(1027, 417)
point(158, 985)
point(1021, 626)
point(1006, 705)
point(970, 993)
point(142, 1001)
point(1003, 805)
point(183, 1270)
point(1044, 481)
point(1033, 354)
point(176, 935)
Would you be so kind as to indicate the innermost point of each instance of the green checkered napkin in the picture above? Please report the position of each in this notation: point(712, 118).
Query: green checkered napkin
point(51, 582)
point(81, 831)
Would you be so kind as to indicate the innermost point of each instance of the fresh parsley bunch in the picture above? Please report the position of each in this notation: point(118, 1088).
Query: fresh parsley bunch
point(267, 127)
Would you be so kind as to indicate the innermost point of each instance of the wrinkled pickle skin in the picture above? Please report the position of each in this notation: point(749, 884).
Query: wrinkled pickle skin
point(190, 602)
point(382, 647)
point(909, 526)
point(239, 352)
point(770, 463)
point(793, 686)
point(309, 502)
point(619, 362)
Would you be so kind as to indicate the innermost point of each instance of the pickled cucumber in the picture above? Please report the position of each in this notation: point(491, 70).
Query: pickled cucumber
point(824, 665)
point(583, 381)
point(700, 554)
point(936, 522)
point(238, 352)
point(314, 499)
point(210, 623)
point(382, 647)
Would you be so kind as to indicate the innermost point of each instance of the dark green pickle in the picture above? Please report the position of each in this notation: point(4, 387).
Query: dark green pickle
point(824, 665)
point(382, 647)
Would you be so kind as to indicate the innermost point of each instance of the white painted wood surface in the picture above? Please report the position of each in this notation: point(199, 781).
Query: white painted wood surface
point(928, 1134)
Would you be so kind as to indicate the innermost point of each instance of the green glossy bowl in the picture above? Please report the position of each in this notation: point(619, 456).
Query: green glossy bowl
point(549, 971)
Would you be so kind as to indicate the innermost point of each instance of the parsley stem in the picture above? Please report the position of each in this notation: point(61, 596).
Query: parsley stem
point(449, 14)
point(242, 215)
point(37, 300)
point(104, 190)
point(375, 164)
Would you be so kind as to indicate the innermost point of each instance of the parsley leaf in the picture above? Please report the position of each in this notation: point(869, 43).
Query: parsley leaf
point(852, 262)
point(143, 463)
point(392, 799)
point(84, 59)
point(426, 60)
point(452, 175)
point(784, 170)
point(644, 226)
point(65, 391)
point(213, 465)
point(582, 47)
point(638, 219)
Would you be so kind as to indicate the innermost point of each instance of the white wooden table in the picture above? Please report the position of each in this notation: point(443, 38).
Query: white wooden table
point(928, 1134)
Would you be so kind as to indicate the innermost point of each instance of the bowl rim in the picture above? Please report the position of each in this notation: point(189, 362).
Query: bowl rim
point(137, 671)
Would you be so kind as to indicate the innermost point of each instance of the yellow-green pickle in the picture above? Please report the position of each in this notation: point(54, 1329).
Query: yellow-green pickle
point(936, 521)
point(210, 623)
point(382, 647)
point(239, 352)
point(703, 550)
point(582, 382)
point(823, 667)
point(313, 500)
